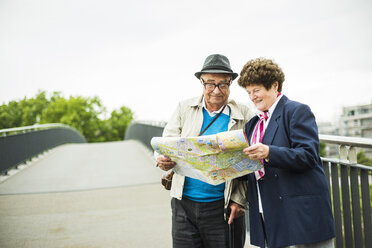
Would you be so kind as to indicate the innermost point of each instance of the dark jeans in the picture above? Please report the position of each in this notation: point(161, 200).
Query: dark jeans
point(202, 225)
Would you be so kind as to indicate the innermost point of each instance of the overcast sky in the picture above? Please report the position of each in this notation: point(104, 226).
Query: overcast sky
point(143, 54)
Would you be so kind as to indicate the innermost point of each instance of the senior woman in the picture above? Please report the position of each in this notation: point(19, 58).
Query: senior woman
point(289, 199)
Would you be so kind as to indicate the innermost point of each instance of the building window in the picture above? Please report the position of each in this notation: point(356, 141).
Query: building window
point(364, 111)
point(367, 133)
point(366, 123)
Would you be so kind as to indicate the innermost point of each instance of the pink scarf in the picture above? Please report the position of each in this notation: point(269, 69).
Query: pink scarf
point(260, 131)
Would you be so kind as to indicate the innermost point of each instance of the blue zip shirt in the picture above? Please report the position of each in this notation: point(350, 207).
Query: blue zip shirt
point(195, 189)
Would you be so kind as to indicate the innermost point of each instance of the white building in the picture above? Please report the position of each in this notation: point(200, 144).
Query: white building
point(356, 121)
point(327, 128)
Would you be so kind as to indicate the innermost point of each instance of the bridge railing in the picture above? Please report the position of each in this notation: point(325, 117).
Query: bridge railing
point(351, 191)
point(17, 145)
point(144, 131)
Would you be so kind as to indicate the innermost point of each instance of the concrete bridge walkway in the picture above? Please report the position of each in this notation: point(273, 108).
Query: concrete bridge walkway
point(86, 196)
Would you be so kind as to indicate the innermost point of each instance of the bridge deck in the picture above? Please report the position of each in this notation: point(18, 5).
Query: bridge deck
point(76, 167)
point(87, 196)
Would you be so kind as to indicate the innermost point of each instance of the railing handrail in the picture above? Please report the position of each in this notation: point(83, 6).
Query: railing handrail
point(151, 123)
point(18, 145)
point(347, 141)
point(144, 131)
point(342, 162)
point(36, 126)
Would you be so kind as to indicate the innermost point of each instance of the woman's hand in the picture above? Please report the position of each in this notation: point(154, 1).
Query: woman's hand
point(165, 163)
point(257, 152)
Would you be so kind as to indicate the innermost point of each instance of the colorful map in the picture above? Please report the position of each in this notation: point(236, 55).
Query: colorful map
point(210, 158)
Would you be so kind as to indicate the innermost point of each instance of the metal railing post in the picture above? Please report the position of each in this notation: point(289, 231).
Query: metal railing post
point(356, 228)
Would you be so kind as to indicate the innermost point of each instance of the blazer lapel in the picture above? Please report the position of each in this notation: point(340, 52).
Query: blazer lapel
point(250, 128)
point(273, 124)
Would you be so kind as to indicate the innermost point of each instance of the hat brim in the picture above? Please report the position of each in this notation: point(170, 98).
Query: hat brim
point(233, 74)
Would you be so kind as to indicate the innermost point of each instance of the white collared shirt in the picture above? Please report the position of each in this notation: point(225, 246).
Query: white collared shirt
point(266, 123)
point(226, 111)
point(270, 111)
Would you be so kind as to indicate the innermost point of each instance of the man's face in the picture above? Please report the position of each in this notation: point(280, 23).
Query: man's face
point(218, 96)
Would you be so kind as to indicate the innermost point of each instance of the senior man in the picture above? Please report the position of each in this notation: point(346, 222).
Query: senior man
point(204, 214)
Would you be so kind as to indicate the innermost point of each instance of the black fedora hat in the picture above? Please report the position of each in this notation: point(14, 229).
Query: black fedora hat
point(216, 63)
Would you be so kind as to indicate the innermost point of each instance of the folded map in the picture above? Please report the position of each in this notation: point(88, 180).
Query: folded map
point(210, 158)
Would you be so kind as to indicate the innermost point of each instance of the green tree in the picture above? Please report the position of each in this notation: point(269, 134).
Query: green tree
point(363, 159)
point(78, 112)
point(322, 149)
point(10, 115)
point(32, 108)
point(86, 114)
point(24, 112)
point(119, 122)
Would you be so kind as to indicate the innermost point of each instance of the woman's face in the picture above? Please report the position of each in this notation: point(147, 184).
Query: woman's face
point(263, 99)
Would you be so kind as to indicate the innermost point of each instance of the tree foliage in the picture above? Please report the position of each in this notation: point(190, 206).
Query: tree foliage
point(24, 112)
point(83, 113)
point(363, 159)
point(322, 149)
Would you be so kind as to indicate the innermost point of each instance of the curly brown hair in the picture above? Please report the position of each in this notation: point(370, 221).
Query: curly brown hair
point(261, 71)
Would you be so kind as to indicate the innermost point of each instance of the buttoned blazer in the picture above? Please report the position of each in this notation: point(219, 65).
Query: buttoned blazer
point(294, 191)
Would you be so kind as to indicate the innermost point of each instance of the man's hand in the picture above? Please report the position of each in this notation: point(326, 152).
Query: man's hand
point(235, 211)
point(257, 151)
point(165, 163)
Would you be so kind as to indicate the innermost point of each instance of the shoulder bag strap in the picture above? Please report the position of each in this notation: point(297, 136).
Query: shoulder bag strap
point(215, 118)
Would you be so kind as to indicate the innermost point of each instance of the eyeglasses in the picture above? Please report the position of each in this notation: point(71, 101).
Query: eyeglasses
point(212, 86)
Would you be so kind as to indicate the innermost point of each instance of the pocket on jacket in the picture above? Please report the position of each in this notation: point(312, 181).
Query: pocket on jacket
point(303, 213)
